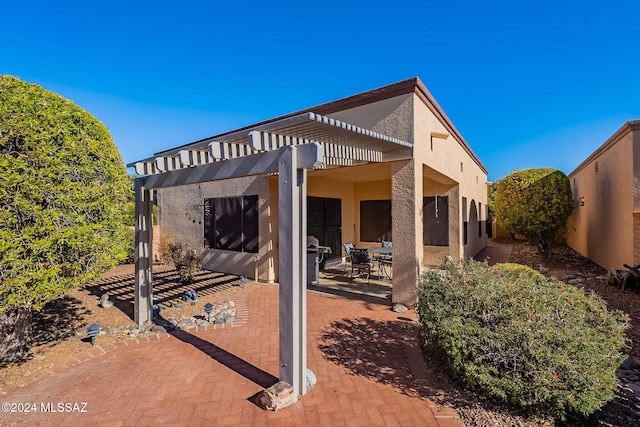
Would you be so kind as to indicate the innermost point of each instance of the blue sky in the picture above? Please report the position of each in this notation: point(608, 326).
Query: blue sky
point(528, 84)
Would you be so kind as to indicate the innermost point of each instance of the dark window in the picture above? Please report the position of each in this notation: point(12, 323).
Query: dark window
point(231, 223)
point(465, 223)
point(375, 220)
point(250, 224)
point(479, 219)
point(436, 221)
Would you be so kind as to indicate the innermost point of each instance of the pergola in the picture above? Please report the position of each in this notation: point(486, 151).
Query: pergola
point(288, 147)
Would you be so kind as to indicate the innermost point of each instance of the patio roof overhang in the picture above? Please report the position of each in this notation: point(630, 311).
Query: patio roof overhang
point(344, 145)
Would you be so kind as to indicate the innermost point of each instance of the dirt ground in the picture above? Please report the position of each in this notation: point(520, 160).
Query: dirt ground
point(58, 332)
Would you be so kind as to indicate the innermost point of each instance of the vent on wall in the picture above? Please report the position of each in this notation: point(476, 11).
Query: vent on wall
point(597, 165)
point(461, 167)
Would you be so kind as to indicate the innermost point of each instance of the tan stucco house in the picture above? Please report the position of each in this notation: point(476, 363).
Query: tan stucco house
point(394, 168)
point(605, 226)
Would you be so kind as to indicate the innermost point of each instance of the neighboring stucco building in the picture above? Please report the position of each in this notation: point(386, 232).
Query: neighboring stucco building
point(395, 168)
point(605, 226)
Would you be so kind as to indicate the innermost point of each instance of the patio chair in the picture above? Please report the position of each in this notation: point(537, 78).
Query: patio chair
point(360, 261)
point(348, 247)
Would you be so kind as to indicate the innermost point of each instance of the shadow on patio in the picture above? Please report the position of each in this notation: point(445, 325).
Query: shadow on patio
point(166, 287)
point(231, 361)
point(389, 352)
point(335, 281)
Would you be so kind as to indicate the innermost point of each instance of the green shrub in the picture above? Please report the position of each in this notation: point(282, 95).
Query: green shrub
point(535, 203)
point(512, 334)
point(63, 189)
point(130, 235)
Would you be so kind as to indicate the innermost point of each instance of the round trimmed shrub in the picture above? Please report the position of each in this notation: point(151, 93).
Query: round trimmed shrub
point(511, 334)
point(63, 189)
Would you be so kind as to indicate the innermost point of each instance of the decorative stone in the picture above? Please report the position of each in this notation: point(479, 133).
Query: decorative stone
point(278, 396)
point(104, 301)
point(399, 308)
point(158, 328)
point(311, 379)
point(629, 364)
point(229, 319)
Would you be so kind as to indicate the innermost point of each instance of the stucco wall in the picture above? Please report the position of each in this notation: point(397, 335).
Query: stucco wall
point(447, 157)
point(391, 117)
point(181, 213)
point(601, 229)
point(445, 161)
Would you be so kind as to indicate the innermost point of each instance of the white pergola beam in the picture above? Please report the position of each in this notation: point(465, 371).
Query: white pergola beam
point(194, 157)
point(265, 141)
point(228, 150)
point(168, 163)
point(145, 168)
point(309, 156)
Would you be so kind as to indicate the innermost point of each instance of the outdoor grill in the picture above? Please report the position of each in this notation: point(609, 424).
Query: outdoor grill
point(315, 255)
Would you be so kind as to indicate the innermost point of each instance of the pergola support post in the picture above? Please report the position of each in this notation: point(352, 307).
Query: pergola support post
point(143, 257)
point(293, 265)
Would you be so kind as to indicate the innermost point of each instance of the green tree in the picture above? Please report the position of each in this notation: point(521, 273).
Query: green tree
point(491, 199)
point(63, 188)
point(535, 203)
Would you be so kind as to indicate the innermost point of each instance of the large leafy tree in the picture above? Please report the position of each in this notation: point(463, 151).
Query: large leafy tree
point(63, 187)
point(535, 203)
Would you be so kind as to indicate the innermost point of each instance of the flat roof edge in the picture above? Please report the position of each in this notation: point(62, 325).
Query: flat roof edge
point(629, 126)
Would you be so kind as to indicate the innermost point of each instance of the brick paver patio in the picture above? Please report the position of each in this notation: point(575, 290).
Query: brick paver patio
point(366, 359)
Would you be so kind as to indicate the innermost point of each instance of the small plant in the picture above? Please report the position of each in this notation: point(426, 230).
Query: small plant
point(510, 333)
point(164, 253)
point(130, 235)
point(185, 260)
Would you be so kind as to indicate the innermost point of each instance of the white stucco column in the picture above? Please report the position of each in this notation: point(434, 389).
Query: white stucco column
point(143, 257)
point(406, 214)
point(293, 271)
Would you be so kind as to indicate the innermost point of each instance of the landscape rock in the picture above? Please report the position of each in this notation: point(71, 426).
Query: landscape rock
point(278, 396)
point(399, 308)
point(311, 379)
point(104, 301)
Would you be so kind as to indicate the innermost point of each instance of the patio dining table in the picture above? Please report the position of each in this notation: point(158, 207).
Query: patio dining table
point(381, 253)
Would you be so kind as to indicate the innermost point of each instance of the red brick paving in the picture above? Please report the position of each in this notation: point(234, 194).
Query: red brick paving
point(366, 359)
